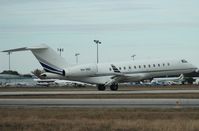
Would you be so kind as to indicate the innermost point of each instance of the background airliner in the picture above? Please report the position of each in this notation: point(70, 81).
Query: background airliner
point(57, 82)
point(105, 74)
point(169, 80)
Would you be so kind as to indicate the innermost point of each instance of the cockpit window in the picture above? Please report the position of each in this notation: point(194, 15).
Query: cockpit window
point(184, 61)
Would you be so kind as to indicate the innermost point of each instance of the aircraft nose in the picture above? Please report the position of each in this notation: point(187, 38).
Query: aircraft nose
point(195, 68)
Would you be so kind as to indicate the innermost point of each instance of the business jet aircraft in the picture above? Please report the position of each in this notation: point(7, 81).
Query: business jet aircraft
point(168, 80)
point(105, 74)
point(47, 82)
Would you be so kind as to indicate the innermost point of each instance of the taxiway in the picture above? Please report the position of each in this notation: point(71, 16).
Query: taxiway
point(18, 93)
point(108, 103)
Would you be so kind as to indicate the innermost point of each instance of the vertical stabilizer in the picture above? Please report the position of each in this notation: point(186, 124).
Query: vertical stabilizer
point(47, 57)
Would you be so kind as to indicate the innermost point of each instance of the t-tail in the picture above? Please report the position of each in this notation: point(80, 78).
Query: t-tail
point(47, 57)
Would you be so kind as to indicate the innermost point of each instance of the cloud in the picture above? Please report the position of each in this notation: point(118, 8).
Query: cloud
point(96, 27)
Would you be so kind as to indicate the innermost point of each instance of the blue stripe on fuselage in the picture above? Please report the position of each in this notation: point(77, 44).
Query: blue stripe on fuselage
point(50, 68)
point(54, 72)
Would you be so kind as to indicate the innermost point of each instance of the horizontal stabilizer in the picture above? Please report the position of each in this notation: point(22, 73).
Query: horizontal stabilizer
point(27, 48)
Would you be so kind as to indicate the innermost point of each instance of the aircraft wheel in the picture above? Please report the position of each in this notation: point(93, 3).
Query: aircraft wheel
point(101, 87)
point(114, 87)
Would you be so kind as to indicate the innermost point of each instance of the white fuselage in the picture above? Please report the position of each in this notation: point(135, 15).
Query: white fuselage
point(126, 71)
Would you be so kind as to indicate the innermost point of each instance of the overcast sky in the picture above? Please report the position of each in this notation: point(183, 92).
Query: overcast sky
point(148, 28)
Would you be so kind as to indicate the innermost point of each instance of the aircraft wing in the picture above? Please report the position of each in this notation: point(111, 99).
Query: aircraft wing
point(114, 79)
point(125, 77)
point(120, 77)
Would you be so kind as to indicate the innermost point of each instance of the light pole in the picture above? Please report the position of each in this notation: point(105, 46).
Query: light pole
point(97, 42)
point(77, 54)
point(9, 59)
point(60, 50)
point(133, 56)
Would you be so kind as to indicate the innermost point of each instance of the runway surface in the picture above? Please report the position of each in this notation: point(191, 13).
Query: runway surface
point(104, 103)
point(95, 92)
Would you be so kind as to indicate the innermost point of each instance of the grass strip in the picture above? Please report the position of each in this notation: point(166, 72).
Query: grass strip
point(98, 119)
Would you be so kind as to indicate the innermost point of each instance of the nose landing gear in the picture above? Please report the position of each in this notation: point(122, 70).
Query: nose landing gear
point(101, 87)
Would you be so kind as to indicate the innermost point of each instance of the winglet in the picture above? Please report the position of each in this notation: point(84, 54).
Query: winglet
point(181, 77)
point(115, 69)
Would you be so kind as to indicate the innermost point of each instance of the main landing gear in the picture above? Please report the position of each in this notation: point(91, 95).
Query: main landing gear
point(113, 87)
point(101, 87)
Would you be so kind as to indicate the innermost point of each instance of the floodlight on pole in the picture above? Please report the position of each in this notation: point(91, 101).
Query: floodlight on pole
point(77, 54)
point(133, 56)
point(97, 42)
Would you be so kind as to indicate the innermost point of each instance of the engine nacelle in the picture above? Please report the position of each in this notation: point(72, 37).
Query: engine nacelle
point(81, 70)
point(48, 75)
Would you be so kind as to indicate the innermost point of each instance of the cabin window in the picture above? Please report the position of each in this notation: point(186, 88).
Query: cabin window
point(153, 65)
point(168, 64)
point(120, 68)
point(158, 65)
point(184, 61)
point(139, 66)
point(149, 66)
point(134, 67)
point(110, 69)
point(144, 66)
point(129, 67)
point(124, 68)
point(163, 64)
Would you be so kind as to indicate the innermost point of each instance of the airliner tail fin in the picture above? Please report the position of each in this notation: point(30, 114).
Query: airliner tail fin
point(47, 57)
